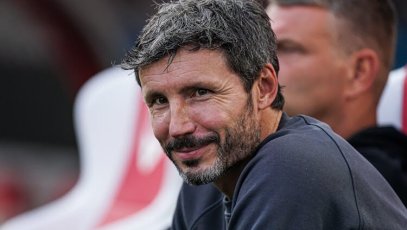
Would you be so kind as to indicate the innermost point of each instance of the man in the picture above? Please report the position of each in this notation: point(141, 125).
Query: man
point(208, 74)
point(335, 57)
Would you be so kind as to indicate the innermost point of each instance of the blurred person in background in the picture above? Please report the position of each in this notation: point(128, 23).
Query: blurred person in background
point(335, 58)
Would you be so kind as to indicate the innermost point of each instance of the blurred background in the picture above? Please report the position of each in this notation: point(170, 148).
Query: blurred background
point(48, 49)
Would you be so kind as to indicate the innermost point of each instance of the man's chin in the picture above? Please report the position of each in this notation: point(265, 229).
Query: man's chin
point(197, 176)
point(191, 163)
point(194, 181)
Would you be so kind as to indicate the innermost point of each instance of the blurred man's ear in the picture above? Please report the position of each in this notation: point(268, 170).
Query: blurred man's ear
point(365, 69)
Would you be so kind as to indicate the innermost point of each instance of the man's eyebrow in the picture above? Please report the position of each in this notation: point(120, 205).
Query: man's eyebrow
point(286, 41)
point(289, 43)
point(150, 94)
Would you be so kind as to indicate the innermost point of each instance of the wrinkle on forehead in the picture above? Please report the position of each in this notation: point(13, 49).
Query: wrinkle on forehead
point(182, 61)
point(184, 55)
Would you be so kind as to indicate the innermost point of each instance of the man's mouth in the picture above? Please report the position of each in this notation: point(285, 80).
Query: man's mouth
point(186, 149)
point(190, 147)
point(187, 154)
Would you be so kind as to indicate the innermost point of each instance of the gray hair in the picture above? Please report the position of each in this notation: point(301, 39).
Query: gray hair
point(240, 29)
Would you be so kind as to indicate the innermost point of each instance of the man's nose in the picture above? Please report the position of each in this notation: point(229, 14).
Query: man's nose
point(180, 121)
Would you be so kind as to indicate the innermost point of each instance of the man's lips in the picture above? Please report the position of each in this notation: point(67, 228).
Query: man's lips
point(185, 154)
point(189, 147)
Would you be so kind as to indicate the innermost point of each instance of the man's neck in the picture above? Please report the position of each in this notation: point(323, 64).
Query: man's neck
point(228, 182)
point(355, 118)
point(269, 124)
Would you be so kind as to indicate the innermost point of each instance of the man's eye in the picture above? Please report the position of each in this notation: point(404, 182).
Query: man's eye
point(201, 92)
point(159, 100)
point(289, 49)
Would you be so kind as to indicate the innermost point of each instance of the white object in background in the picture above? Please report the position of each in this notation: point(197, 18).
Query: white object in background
point(393, 101)
point(126, 181)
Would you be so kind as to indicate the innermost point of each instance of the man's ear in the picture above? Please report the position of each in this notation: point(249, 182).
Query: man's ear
point(365, 69)
point(267, 87)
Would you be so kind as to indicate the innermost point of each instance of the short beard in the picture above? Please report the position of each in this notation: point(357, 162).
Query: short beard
point(241, 140)
point(204, 176)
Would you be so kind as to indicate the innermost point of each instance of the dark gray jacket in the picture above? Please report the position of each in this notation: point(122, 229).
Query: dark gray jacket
point(304, 176)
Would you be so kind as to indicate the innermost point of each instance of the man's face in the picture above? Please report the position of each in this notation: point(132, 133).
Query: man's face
point(312, 63)
point(200, 114)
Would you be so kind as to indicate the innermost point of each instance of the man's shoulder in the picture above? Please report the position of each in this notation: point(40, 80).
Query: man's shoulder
point(307, 160)
point(383, 138)
point(385, 147)
point(305, 126)
point(304, 153)
point(305, 137)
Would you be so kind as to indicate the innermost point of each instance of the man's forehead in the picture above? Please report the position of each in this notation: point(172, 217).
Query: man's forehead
point(180, 59)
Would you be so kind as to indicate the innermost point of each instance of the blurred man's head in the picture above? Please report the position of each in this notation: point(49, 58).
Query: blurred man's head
point(335, 56)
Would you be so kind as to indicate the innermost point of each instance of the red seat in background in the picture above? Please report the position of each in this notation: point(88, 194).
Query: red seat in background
point(126, 181)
